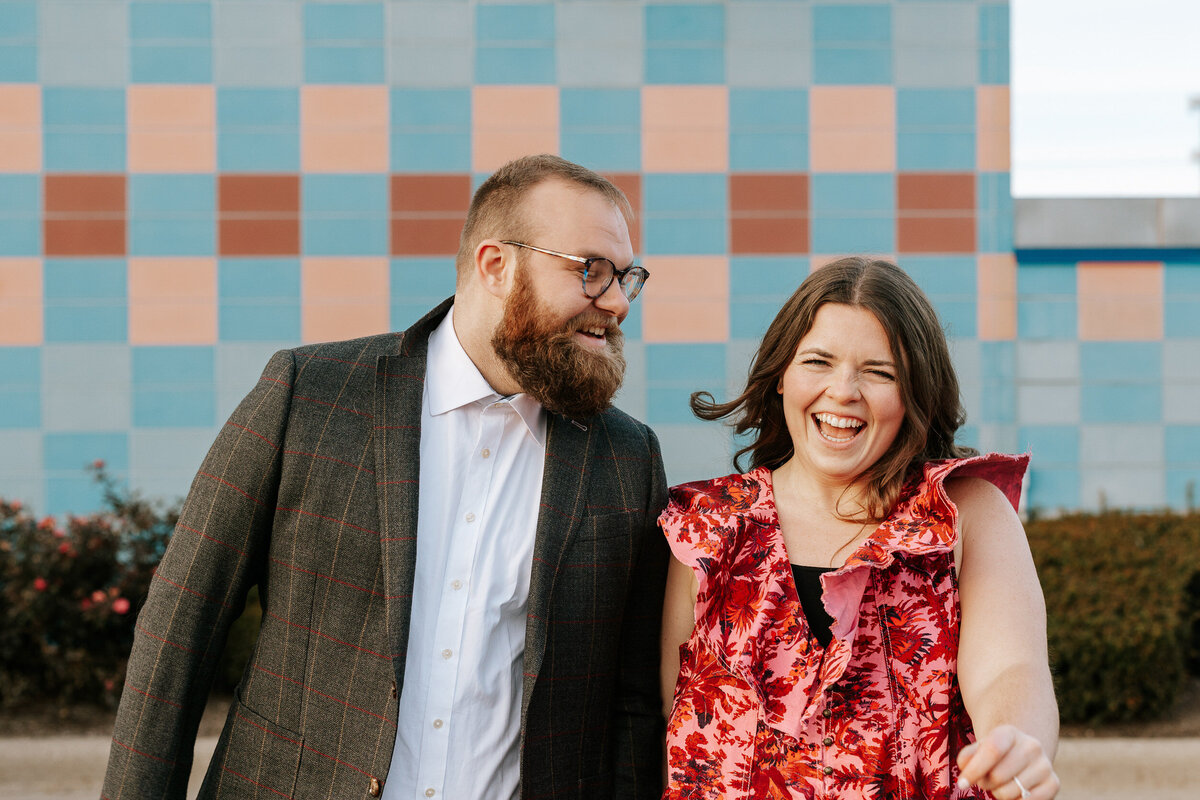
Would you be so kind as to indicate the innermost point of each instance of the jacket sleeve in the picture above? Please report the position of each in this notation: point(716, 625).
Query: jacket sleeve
point(640, 728)
point(215, 555)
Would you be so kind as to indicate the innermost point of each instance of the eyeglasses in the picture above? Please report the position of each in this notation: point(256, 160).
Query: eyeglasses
point(598, 273)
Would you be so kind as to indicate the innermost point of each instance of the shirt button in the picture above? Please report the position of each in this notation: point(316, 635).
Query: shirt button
point(456, 585)
point(376, 788)
point(828, 740)
point(828, 770)
point(437, 723)
point(447, 653)
point(430, 792)
point(485, 452)
point(470, 516)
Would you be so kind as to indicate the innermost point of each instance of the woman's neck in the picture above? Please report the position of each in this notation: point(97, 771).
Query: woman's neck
point(838, 499)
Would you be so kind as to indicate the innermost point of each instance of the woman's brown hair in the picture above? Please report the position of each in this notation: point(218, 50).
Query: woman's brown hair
point(928, 385)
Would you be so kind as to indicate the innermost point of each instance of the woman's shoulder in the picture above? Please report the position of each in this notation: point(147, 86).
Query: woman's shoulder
point(984, 475)
point(738, 492)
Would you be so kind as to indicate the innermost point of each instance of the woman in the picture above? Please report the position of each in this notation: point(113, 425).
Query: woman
point(845, 618)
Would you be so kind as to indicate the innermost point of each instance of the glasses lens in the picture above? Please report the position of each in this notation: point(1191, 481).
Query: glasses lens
point(598, 276)
point(632, 282)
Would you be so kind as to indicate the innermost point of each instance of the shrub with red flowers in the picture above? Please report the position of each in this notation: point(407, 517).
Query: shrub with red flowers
point(68, 595)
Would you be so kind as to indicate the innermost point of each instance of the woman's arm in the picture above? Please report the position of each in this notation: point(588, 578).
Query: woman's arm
point(1003, 664)
point(679, 618)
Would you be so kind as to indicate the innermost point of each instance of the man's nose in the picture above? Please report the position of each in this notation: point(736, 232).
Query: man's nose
point(614, 301)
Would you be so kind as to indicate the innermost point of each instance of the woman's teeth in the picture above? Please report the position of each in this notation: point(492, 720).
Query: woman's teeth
point(830, 425)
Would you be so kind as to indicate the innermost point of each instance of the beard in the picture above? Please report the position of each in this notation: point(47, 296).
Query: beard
point(547, 362)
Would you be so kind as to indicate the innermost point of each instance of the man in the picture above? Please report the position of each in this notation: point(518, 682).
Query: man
point(454, 537)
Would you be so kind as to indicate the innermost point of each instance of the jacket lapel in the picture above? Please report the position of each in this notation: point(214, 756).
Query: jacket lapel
point(564, 484)
point(399, 391)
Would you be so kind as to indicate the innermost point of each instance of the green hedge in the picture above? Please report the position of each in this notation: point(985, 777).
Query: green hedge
point(1123, 606)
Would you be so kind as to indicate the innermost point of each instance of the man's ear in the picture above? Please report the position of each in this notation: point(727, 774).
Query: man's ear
point(493, 267)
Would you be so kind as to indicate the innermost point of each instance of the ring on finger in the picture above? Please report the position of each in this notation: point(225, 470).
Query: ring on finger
point(1021, 786)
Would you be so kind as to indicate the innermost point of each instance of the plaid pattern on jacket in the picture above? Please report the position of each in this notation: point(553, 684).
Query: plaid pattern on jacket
point(310, 491)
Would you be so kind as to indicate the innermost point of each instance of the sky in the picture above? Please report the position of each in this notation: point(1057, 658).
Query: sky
point(1101, 93)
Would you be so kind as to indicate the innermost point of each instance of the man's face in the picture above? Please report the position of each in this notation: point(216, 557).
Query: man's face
point(562, 347)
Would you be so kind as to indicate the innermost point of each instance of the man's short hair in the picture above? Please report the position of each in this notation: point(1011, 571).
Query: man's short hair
point(496, 207)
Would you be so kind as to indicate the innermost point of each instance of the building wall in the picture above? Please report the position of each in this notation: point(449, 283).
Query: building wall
point(187, 186)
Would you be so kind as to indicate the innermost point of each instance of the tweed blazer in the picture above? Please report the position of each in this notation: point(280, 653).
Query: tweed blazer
point(310, 491)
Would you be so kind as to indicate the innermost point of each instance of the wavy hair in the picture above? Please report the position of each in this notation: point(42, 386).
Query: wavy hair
point(933, 412)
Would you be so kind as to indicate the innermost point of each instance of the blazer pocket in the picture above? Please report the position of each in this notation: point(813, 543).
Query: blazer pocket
point(259, 755)
point(620, 524)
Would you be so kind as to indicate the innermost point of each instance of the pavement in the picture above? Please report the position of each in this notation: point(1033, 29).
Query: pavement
point(72, 768)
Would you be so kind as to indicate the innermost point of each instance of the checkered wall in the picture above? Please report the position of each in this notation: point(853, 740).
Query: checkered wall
point(187, 186)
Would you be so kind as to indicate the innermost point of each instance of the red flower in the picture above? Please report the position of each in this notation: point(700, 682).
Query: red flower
point(39, 583)
point(120, 606)
point(98, 463)
point(64, 548)
point(97, 596)
point(85, 603)
point(15, 505)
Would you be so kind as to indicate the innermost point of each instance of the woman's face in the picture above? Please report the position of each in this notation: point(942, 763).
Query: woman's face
point(841, 399)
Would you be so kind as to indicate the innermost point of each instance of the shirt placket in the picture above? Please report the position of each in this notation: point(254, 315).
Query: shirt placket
point(447, 664)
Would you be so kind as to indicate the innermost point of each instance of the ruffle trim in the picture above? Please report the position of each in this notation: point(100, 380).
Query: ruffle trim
point(747, 612)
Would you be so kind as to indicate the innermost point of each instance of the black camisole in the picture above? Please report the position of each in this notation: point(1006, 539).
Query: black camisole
point(808, 587)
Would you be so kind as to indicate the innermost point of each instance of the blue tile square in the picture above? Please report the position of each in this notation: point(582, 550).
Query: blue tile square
point(345, 214)
point(853, 193)
point(69, 487)
point(685, 22)
point(76, 451)
point(171, 63)
point(852, 66)
point(998, 360)
point(859, 22)
point(176, 20)
point(1183, 489)
point(84, 279)
point(1183, 445)
point(685, 363)
point(18, 21)
point(994, 212)
point(431, 130)
point(768, 130)
point(511, 22)
point(84, 130)
point(259, 299)
point(935, 108)
point(950, 284)
point(18, 41)
point(85, 300)
point(343, 63)
point(685, 214)
point(20, 387)
point(1053, 489)
point(749, 319)
point(429, 280)
point(684, 65)
point(772, 278)
point(1121, 402)
point(174, 387)
point(342, 194)
point(343, 21)
point(994, 43)
point(867, 233)
point(1121, 362)
point(18, 63)
point(172, 215)
point(1047, 306)
point(601, 128)
point(1050, 445)
point(258, 130)
point(515, 44)
point(1181, 298)
point(685, 44)
point(20, 215)
point(997, 402)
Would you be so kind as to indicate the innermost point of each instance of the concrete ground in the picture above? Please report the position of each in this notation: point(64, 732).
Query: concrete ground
point(72, 768)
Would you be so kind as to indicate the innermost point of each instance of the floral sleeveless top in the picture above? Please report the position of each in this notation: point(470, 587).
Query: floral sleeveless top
point(761, 710)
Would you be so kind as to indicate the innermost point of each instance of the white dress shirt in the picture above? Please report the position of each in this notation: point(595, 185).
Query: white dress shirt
point(481, 476)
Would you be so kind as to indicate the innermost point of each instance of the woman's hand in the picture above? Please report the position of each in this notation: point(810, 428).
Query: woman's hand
point(1010, 764)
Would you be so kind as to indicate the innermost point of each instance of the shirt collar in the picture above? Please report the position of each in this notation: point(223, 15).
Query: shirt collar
point(452, 381)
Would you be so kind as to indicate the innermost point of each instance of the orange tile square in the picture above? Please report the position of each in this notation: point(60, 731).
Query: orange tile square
point(685, 128)
point(1120, 301)
point(172, 301)
point(83, 237)
point(341, 298)
point(21, 299)
point(935, 191)
point(20, 128)
point(512, 121)
point(996, 301)
point(686, 300)
point(344, 128)
point(172, 128)
point(631, 184)
point(260, 215)
point(993, 143)
point(937, 232)
point(852, 128)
